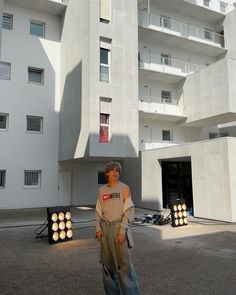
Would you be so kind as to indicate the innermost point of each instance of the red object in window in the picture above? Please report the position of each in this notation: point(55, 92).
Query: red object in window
point(103, 134)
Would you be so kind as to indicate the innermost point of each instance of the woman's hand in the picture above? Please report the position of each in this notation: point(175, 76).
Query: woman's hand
point(99, 234)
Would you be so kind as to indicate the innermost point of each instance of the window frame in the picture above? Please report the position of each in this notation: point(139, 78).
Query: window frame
point(103, 65)
point(170, 135)
point(10, 16)
point(36, 70)
point(206, 3)
point(41, 124)
point(7, 121)
point(166, 57)
point(9, 70)
point(224, 6)
point(165, 22)
point(107, 125)
point(39, 178)
point(36, 22)
point(167, 98)
point(3, 174)
point(102, 17)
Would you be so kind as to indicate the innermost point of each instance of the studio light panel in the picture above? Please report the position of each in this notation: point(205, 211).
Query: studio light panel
point(59, 224)
point(179, 214)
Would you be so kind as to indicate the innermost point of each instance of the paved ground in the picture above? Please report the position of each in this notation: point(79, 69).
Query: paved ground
point(197, 259)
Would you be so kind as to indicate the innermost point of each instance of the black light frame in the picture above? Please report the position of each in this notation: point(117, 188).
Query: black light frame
point(57, 210)
point(174, 204)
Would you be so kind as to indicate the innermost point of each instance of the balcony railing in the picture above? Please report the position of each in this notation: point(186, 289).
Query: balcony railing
point(169, 65)
point(148, 144)
point(165, 106)
point(216, 5)
point(171, 26)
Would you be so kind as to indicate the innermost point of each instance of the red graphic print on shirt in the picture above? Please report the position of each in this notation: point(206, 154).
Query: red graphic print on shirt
point(106, 197)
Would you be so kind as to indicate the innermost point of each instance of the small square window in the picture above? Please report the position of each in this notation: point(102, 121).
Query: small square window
point(206, 3)
point(2, 178)
point(165, 59)
point(3, 122)
point(7, 21)
point(32, 178)
point(166, 96)
point(36, 75)
point(166, 135)
point(5, 70)
point(223, 6)
point(213, 135)
point(34, 124)
point(37, 28)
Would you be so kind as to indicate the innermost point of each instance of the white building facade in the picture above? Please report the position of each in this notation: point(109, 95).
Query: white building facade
point(149, 83)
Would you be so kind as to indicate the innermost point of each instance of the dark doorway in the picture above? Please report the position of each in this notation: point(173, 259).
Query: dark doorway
point(177, 182)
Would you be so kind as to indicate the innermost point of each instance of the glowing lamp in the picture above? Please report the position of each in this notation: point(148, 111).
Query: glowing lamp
point(178, 213)
point(59, 224)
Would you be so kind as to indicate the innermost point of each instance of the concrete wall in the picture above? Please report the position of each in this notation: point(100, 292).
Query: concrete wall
point(75, 80)
point(1, 13)
point(213, 177)
point(21, 150)
point(81, 89)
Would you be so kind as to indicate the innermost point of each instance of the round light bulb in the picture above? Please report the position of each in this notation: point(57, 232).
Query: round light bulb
point(55, 226)
point(175, 208)
point(176, 222)
point(61, 216)
point(180, 214)
point(69, 224)
point(54, 217)
point(55, 237)
point(62, 235)
point(185, 221)
point(176, 215)
point(181, 221)
point(179, 207)
point(62, 225)
point(185, 213)
point(69, 234)
point(68, 215)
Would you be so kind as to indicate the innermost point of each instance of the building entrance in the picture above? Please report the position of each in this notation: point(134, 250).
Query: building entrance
point(177, 182)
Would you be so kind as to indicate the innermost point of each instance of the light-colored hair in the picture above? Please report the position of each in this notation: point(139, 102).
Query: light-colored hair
point(111, 165)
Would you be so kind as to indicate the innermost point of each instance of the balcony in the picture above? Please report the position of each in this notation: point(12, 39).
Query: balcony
point(159, 67)
point(161, 108)
point(182, 35)
point(148, 144)
point(54, 7)
point(199, 9)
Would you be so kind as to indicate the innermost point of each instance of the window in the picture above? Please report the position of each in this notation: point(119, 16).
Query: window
point(213, 135)
point(104, 128)
point(206, 3)
point(101, 178)
point(165, 22)
point(105, 11)
point(105, 49)
point(166, 135)
point(35, 75)
point(7, 21)
point(208, 34)
point(166, 96)
point(37, 28)
point(165, 59)
point(5, 70)
point(34, 124)
point(2, 178)
point(224, 134)
point(3, 122)
point(32, 178)
point(223, 6)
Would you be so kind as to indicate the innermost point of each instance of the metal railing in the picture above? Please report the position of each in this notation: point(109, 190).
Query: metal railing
point(164, 64)
point(180, 29)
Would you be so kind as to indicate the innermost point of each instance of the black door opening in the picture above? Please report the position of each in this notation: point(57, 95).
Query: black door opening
point(177, 183)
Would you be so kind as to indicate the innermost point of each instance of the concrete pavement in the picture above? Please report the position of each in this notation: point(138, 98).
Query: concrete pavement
point(197, 259)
